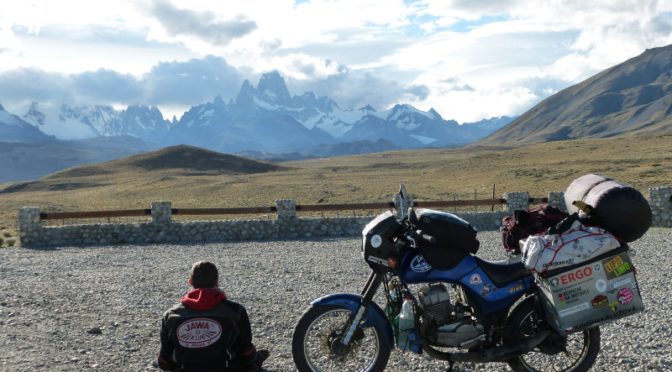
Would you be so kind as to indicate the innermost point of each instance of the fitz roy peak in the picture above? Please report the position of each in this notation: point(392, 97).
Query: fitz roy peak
point(267, 118)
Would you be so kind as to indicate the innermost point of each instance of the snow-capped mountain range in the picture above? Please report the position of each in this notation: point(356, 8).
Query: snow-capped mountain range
point(83, 122)
point(13, 129)
point(265, 118)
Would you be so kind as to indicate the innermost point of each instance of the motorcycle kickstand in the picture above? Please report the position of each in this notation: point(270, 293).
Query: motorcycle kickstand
point(451, 364)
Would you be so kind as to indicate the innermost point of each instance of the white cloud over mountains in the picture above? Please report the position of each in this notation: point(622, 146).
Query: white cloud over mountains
point(467, 59)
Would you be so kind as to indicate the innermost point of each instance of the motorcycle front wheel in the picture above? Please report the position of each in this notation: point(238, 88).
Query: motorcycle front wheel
point(576, 352)
point(317, 346)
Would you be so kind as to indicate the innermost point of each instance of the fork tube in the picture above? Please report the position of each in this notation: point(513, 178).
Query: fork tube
point(371, 287)
point(368, 282)
point(368, 292)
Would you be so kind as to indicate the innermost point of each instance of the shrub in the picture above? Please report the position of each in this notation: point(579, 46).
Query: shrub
point(7, 234)
point(11, 242)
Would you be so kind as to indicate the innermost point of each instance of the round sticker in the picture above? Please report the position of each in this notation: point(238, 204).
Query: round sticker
point(376, 241)
point(601, 285)
point(475, 279)
point(198, 332)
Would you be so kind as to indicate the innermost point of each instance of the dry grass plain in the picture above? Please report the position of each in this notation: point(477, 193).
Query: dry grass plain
point(438, 174)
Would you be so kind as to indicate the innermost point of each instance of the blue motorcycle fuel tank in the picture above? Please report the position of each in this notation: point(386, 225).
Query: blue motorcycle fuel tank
point(486, 297)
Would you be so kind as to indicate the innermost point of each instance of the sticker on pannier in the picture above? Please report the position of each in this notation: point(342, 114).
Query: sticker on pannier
point(586, 296)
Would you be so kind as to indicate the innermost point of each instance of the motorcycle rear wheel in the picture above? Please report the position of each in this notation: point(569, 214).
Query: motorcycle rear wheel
point(316, 343)
point(575, 353)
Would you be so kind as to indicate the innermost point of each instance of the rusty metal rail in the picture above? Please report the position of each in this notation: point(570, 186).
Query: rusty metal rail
point(273, 209)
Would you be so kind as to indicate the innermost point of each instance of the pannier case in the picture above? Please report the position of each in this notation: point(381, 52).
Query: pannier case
point(590, 294)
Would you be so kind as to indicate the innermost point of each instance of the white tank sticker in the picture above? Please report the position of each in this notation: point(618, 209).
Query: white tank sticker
point(419, 264)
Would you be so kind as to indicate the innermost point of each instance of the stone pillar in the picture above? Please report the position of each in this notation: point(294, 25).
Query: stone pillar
point(29, 223)
point(516, 200)
point(557, 199)
point(660, 200)
point(162, 212)
point(286, 209)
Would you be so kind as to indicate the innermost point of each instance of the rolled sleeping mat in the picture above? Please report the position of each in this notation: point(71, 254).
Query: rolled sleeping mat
point(621, 210)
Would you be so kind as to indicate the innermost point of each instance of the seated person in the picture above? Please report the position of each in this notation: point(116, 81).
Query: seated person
point(207, 332)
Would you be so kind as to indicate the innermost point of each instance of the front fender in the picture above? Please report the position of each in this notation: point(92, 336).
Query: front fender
point(375, 317)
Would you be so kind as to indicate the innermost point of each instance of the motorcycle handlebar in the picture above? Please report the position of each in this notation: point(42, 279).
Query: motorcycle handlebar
point(418, 234)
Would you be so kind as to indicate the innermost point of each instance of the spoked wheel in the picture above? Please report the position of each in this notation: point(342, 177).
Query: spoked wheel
point(317, 346)
point(576, 352)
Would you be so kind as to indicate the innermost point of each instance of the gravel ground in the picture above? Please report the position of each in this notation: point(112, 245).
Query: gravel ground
point(51, 300)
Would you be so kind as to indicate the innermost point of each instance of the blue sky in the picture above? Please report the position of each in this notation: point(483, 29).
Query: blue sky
point(468, 59)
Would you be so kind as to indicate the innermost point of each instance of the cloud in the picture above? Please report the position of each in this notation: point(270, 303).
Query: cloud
point(27, 84)
point(106, 86)
point(191, 82)
point(354, 88)
point(454, 84)
point(301, 66)
point(420, 91)
point(204, 24)
point(168, 83)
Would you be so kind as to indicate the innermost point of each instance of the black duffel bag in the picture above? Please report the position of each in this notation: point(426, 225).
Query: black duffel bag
point(621, 210)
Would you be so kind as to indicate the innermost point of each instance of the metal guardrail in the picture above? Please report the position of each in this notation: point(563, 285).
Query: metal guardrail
point(272, 209)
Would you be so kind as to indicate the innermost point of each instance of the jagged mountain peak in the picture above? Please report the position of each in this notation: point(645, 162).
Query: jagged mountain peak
point(400, 110)
point(434, 113)
point(1, 108)
point(219, 101)
point(14, 129)
point(367, 109)
point(272, 87)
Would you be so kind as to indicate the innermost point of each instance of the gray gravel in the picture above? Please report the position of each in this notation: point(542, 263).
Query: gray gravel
point(100, 308)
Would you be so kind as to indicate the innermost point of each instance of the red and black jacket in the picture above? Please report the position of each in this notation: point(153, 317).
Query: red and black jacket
point(206, 332)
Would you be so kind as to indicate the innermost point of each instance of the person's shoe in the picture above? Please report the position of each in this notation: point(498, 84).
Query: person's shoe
point(262, 355)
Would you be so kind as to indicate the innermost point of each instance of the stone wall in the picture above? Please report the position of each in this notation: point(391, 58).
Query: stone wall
point(660, 199)
point(162, 229)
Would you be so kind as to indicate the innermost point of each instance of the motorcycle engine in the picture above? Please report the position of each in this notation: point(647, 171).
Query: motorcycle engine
point(440, 323)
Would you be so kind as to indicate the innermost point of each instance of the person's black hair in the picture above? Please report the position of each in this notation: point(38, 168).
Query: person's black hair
point(204, 275)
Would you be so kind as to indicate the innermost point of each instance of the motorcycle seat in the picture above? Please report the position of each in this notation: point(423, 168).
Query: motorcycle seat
point(503, 272)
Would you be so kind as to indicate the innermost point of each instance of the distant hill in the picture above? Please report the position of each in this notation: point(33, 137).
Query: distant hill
point(181, 160)
point(182, 157)
point(632, 98)
point(21, 161)
point(197, 159)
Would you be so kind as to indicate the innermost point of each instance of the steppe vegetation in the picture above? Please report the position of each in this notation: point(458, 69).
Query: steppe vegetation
point(438, 174)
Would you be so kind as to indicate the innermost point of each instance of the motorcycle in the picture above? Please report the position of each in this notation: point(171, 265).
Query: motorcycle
point(466, 310)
